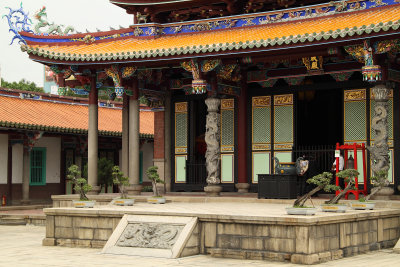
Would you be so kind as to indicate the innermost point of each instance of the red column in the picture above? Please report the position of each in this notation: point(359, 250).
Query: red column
point(159, 135)
point(242, 137)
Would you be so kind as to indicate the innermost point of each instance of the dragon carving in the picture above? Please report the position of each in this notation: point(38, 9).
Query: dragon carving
point(51, 28)
point(380, 151)
point(18, 20)
point(212, 141)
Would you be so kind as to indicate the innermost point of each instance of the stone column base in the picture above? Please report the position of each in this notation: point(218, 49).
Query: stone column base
point(95, 190)
point(161, 189)
point(25, 201)
point(134, 189)
point(242, 187)
point(384, 194)
point(212, 190)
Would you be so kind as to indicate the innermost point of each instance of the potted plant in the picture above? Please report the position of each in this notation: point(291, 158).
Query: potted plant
point(152, 174)
point(333, 204)
point(104, 173)
point(322, 182)
point(81, 186)
point(121, 181)
point(379, 181)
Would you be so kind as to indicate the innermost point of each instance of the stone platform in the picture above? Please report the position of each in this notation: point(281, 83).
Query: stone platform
point(240, 230)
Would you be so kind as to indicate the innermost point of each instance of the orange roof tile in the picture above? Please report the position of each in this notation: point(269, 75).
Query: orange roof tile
point(288, 32)
point(62, 117)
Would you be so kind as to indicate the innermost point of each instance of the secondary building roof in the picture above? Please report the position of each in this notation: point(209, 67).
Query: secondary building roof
point(246, 33)
point(72, 118)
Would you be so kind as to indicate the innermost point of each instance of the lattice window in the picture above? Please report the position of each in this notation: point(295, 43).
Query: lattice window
point(261, 125)
point(355, 119)
point(38, 166)
point(227, 127)
point(283, 122)
point(181, 129)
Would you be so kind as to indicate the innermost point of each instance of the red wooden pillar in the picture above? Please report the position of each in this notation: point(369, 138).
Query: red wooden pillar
point(159, 145)
point(242, 184)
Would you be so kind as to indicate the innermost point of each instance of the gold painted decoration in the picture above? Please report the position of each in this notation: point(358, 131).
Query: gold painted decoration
point(281, 100)
point(313, 63)
point(227, 148)
point(181, 107)
point(283, 146)
point(355, 95)
point(180, 150)
point(262, 101)
point(261, 147)
point(227, 103)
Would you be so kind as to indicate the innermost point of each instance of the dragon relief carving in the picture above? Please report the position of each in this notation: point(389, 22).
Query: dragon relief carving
point(51, 28)
point(212, 141)
point(150, 235)
point(380, 151)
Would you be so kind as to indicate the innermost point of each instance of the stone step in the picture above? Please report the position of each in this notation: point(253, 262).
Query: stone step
point(12, 220)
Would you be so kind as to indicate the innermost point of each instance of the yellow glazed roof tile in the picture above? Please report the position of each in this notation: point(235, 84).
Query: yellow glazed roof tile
point(276, 33)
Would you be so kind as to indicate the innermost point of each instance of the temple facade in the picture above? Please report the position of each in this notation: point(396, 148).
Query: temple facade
point(236, 85)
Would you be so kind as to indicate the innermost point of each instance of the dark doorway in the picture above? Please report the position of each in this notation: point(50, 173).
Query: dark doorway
point(319, 117)
point(195, 165)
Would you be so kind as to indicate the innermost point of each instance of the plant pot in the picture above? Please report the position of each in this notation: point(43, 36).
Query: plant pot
point(123, 201)
point(357, 205)
point(334, 207)
point(301, 211)
point(156, 200)
point(83, 203)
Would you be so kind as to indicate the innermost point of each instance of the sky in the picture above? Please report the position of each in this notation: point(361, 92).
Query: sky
point(82, 14)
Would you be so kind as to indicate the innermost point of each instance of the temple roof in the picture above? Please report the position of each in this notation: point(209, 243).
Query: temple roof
point(299, 31)
point(69, 118)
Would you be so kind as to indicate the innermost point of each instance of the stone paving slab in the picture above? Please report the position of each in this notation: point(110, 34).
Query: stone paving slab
point(20, 246)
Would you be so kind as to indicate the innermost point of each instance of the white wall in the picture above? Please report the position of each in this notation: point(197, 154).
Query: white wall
point(17, 163)
point(53, 157)
point(3, 158)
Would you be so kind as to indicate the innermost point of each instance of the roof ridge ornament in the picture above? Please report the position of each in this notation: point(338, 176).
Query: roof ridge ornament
point(52, 28)
point(18, 20)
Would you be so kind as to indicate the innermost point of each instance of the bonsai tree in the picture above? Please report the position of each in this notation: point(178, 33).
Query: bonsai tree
point(80, 184)
point(104, 172)
point(348, 175)
point(379, 181)
point(322, 181)
point(120, 180)
point(153, 176)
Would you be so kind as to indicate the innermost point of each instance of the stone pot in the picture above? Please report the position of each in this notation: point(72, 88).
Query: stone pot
point(357, 205)
point(334, 207)
point(156, 200)
point(83, 203)
point(301, 211)
point(123, 201)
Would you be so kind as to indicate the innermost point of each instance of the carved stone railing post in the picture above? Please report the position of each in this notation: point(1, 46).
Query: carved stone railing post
point(380, 159)
point(213, 151)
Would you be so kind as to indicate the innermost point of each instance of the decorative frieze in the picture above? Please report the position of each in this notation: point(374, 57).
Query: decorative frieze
point(355, 95)
point(280, 100)
point(181, 107)
point(262, 101)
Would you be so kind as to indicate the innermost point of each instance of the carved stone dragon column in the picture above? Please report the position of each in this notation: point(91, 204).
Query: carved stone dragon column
point(380, 151)
point(213, 151)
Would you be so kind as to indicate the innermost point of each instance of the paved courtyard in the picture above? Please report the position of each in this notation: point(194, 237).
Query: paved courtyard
point(21, 246)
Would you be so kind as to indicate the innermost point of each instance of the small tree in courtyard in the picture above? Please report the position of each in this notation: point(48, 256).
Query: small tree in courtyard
point(80, 184)
point(120, 180)
point(322, 182)
point(153, 176)
point(348, 175)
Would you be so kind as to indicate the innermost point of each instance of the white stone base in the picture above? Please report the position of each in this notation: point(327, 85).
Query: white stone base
point(188, 223)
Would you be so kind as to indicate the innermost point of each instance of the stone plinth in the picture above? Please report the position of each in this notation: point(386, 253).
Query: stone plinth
point(237, 231)
point(134, 189)
point(213, 190)
point(242, 187)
